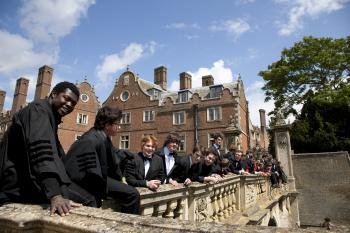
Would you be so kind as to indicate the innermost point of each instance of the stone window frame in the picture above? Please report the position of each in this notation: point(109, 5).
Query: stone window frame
point(82, 118)
point(126, 118)
point(124, 141)
point(176, 118)
point(148, 115)
point(213, 116)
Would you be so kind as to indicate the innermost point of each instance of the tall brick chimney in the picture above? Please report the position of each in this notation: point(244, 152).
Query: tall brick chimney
point(263, 134)
point(185, 81)
point(207, 80)
point(2, 100)
point(160, 77)
point(20, 96)
point(43, 83)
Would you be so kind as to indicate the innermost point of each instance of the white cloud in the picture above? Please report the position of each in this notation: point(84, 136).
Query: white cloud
point(47, 21)
point(218, 70)
point(242, 2)
point(235, 28)
point(114, 62)
point(182, 26)
point(256, 97)
point(17, 53)
point(311, 8)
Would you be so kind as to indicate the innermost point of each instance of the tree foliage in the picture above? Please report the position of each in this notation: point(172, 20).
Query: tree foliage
point(323, 125)
point(311, 68)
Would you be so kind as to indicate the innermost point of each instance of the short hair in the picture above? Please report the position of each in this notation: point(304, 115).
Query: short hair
point(62, 86)
point(107, 115)
point(171, 138)
point(149, 138)
point(216, 136)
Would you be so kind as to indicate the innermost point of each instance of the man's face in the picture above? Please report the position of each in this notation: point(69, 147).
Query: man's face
point(172, 147)
point(238, 155)
point(218, 141)
point(209, 159)
point(196, 157)
point(64, 102)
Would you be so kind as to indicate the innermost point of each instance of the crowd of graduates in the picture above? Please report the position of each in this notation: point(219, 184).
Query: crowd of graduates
point(35, 169)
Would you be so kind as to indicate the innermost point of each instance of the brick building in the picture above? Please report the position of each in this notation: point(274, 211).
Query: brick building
point(73, 125)
point(195, 114)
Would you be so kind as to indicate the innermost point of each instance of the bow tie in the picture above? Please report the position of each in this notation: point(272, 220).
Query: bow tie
point(172, 154)
point(146, 158)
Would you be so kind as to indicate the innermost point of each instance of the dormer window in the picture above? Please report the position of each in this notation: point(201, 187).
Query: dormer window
point(215, 91)
point(183, 96)
point(154, 93)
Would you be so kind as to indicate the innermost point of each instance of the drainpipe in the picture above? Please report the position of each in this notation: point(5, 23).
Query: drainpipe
point(195, 119)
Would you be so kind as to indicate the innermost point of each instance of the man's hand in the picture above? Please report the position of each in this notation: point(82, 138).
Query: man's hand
point(153, 184)
point(62, 206)
point(187, 182)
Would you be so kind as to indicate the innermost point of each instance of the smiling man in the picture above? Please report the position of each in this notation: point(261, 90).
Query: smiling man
point(31, 167)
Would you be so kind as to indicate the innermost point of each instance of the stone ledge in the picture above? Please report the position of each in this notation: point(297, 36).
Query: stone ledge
point(15, 218)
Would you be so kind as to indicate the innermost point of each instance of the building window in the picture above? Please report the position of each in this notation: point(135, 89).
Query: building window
point(214, 114)
point(210, 139)
point(124, 142)
point(82, 119)
point(84, 98)
point(125, 118)
point(179, 118)
point(124, 96)
point(215, 91)
point(182, 143)
point(148, 115)
point(183, 97)
point(154, 93)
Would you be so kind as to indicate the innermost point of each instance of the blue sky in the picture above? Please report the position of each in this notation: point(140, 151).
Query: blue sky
point(98, 39)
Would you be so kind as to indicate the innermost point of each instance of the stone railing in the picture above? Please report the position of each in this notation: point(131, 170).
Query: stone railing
point(235, 196)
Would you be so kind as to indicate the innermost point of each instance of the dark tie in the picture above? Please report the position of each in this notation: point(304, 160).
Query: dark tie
point(146, 158)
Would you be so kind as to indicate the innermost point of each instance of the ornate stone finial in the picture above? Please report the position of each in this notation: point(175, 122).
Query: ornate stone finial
point(280, 118)
point(85, 78)
point(239, 78)
point(127, 67)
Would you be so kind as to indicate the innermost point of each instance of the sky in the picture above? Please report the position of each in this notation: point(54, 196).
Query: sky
point(97, 40)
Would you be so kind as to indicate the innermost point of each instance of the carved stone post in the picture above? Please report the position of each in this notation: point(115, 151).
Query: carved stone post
point(283, 150)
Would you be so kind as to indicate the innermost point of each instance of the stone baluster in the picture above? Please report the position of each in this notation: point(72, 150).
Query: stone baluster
point(170, 207)
point(214, 205)
point(226, 201)
point(179, 211)
point(220, 195)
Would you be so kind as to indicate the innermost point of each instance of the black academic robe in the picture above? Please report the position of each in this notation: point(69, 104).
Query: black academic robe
point(32, 169)
point(90, 160)
point(135, 170)
point(202, 170)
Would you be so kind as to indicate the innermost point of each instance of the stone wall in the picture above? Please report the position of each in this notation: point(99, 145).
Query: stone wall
point(323, 181)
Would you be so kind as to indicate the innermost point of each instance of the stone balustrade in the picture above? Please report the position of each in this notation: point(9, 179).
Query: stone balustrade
point(235, 196)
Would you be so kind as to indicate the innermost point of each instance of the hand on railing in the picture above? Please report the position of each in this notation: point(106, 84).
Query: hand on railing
point(153, 184)
point(187, 182)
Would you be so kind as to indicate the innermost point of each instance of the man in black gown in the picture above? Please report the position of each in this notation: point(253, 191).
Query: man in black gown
point(92, 162)
point(30, 155)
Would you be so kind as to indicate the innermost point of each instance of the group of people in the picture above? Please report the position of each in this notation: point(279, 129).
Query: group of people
point(35, 169)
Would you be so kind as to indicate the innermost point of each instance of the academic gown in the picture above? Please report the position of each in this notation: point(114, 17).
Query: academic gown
point(32, 169)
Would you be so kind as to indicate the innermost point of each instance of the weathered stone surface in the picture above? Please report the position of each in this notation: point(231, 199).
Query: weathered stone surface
point(15, 218)
point(323, 181)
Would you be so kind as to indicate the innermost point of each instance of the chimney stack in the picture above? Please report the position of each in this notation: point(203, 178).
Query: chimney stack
point(262, 118)
point(207, 80)
point(2, 100)
point(185, 81)
point(43, 83)
point(160, 78)
point(20, 96)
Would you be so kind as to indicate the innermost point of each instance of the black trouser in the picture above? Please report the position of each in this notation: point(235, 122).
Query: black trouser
point(77, 194)
point(126, 194)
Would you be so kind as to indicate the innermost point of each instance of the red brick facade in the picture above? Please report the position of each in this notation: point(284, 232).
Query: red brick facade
point(188, 116)
point(195, 114)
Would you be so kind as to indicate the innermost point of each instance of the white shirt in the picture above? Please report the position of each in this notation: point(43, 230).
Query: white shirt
point(169, 160)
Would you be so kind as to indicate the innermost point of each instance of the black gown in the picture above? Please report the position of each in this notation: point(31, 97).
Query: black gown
point(32, 169)
point(94, 164)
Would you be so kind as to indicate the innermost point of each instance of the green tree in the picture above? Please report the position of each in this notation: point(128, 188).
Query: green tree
point(311, 68)
point(323, 125)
